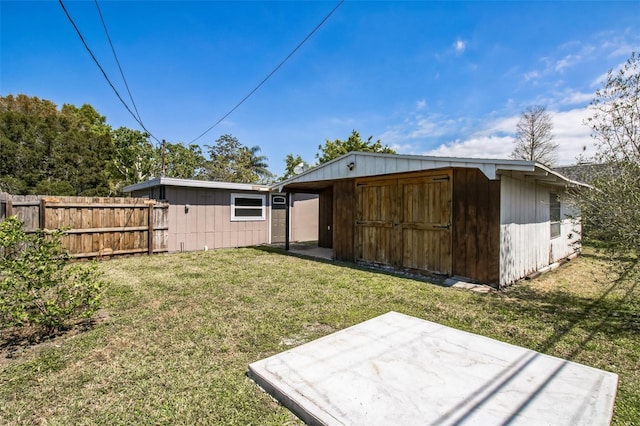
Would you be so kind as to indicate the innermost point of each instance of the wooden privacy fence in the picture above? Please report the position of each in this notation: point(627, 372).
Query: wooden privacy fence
point(94, 226)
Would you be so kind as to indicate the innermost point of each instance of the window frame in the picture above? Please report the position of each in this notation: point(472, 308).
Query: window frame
point(555, 215)
point(279, 199)
point(262, 208)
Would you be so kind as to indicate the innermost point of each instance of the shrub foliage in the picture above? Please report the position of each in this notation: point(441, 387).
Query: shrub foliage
point(611, 210)
point(38, 286)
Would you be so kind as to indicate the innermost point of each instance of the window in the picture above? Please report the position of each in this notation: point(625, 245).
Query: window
point(554, 214)
point(278, 202)
point(247, 207)
point(279, 199)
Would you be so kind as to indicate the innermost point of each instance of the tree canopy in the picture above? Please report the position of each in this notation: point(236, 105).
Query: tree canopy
point(230, 161)
point(611, 211)
point(134, 157)
point(291, 162)
point(73, 151)
point(49, 151)
point(534, 137)
point(336, 148)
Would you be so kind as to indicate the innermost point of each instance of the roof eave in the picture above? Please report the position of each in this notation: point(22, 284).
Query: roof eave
point(192, 183)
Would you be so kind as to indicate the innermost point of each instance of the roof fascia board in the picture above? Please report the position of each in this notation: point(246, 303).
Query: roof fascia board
point(192, 183)
point(491, 168)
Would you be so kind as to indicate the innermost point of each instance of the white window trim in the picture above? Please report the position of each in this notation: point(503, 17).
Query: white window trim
point(284, 199)
point(555, 222)
point(263, 208)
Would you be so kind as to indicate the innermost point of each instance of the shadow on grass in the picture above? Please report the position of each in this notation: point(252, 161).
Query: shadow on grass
point(15, 339)
point(380, 269)
point(614, 312)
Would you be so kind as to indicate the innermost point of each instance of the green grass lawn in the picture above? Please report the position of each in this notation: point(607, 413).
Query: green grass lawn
point(176, 333)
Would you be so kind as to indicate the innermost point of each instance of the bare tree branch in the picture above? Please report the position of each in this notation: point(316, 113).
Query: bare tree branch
point(534, 137)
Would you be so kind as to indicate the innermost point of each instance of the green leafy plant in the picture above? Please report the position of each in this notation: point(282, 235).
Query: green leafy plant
point(38, 284)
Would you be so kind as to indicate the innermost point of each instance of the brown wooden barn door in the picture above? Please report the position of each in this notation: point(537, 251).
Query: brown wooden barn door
point(376, 220)
point(425, 223)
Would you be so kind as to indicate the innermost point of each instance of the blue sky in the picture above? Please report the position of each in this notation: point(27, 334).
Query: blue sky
point(434, 78)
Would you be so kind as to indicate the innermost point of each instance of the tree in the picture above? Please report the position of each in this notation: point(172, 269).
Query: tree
point(534, 140)
point(258, 165)
point(230, 161)
point(336, 148)
point(49, 151)
point(27, 129)
point(291, 162)
point(611, 210)
point(133, 158)
point(182, 162)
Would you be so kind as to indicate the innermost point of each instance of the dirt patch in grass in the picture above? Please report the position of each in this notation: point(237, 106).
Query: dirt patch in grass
point(18, 342)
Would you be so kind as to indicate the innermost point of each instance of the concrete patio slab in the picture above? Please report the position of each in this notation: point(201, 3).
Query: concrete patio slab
point(399, 370)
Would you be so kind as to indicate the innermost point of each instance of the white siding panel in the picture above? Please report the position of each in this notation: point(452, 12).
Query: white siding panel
point(570, 234)
point(524, 229)
point(526, 243)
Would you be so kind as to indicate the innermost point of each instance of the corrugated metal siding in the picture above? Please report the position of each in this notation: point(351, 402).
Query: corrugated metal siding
point(570, 234)
point(524, 229)
point(373, 164)
point(525, 242)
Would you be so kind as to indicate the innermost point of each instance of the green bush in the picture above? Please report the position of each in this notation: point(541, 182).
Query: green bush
point(38, 285)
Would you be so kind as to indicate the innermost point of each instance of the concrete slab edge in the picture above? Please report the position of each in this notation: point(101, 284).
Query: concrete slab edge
point(303, 413)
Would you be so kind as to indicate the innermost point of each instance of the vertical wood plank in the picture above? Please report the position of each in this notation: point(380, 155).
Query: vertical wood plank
point(472, 225)
point(43, 214)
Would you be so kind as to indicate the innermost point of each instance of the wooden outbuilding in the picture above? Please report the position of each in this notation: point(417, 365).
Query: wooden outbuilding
point(482, 220)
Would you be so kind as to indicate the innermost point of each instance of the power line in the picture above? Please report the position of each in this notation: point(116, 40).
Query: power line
point(272, 72)
point(104, 25)
point(104, 74)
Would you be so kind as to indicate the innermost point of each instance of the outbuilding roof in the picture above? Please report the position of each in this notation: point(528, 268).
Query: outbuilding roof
point(366, 164)
point(192, 183)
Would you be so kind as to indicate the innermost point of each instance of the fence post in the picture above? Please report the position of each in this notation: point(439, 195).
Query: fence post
point(150, 239)
point(8, 207)
point(43, 213)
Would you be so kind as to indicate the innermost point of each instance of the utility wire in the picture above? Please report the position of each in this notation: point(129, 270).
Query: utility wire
point(103, 72)
point(272, 72)
point(104, 25)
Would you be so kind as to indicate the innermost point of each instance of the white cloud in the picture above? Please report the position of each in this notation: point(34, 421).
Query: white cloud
point(460, 45)
point(531, 75)
point(496, 140)
point(421, 104)
point(419, 127)
point(572, 97)
point(500, 126)
point(582, 53)
point(406, 148)
point(571, 135)
point(476, 147)
point(602, 78)
point(431, 127)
